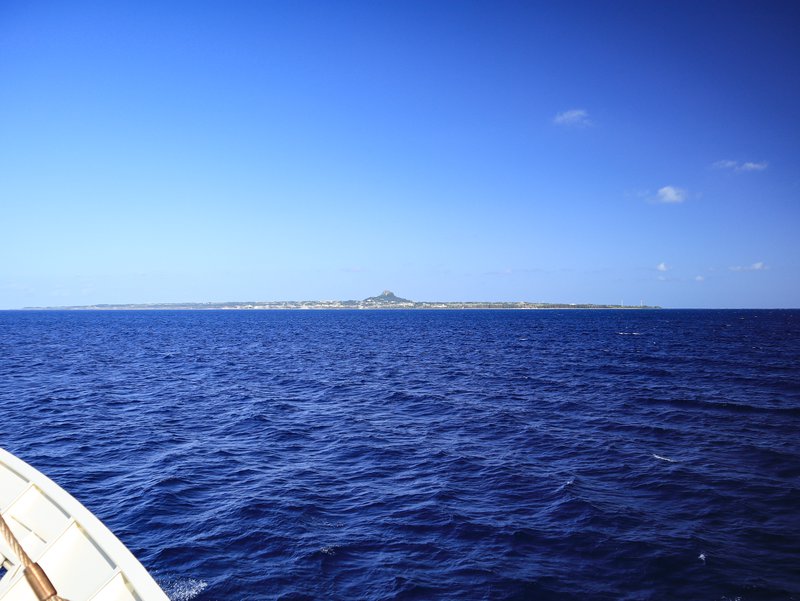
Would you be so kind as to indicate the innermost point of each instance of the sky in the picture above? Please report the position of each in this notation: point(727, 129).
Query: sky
point(602, 152)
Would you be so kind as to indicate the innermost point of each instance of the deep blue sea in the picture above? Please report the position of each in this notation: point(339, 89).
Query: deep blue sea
point(458, 455)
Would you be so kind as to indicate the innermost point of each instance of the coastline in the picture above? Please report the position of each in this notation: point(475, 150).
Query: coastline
point(339, 306)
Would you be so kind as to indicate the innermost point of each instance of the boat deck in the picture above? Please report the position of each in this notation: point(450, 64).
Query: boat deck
point(82, 558)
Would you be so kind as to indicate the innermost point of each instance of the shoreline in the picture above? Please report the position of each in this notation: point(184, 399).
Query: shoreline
point(279, 306)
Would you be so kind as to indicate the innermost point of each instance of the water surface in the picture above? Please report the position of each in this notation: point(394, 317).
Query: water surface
point(424, 454)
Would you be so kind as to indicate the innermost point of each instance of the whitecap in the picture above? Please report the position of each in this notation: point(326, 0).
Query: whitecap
point(566, 484)
point(664, 458)
point(183, 589)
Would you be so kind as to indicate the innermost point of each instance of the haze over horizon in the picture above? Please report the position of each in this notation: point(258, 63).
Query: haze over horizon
point(579, 152)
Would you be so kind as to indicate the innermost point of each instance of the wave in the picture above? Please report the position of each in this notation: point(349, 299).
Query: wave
point(667, 459)
point(287, 455)
point(183, 589)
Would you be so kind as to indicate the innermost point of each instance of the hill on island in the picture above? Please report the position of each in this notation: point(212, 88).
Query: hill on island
point(387, 297)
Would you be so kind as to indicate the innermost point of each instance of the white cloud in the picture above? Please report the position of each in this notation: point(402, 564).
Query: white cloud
point(509, 271)
point(699, 278)
point(749, 166)
point(662, 267)
point(757, 266)
point(670, 195)
point(572, 117)
point(741, 166)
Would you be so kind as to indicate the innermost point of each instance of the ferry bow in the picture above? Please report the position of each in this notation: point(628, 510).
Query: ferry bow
point(52, 547)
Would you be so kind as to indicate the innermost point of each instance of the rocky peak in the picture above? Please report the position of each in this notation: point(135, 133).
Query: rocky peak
point(387, 297)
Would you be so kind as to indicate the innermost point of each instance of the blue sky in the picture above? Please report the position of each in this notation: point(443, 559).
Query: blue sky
point(557, 152)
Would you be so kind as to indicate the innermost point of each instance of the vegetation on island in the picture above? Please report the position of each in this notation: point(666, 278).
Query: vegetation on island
point(386, 300)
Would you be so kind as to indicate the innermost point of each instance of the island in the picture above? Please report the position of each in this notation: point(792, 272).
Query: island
point(386, 300)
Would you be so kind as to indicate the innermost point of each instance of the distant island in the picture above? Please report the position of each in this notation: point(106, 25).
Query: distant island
point(385, 300)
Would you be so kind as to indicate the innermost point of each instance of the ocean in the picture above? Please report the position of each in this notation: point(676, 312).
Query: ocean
point(432, 455)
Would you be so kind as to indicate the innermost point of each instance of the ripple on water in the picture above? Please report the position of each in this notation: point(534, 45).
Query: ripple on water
point(424, 455)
